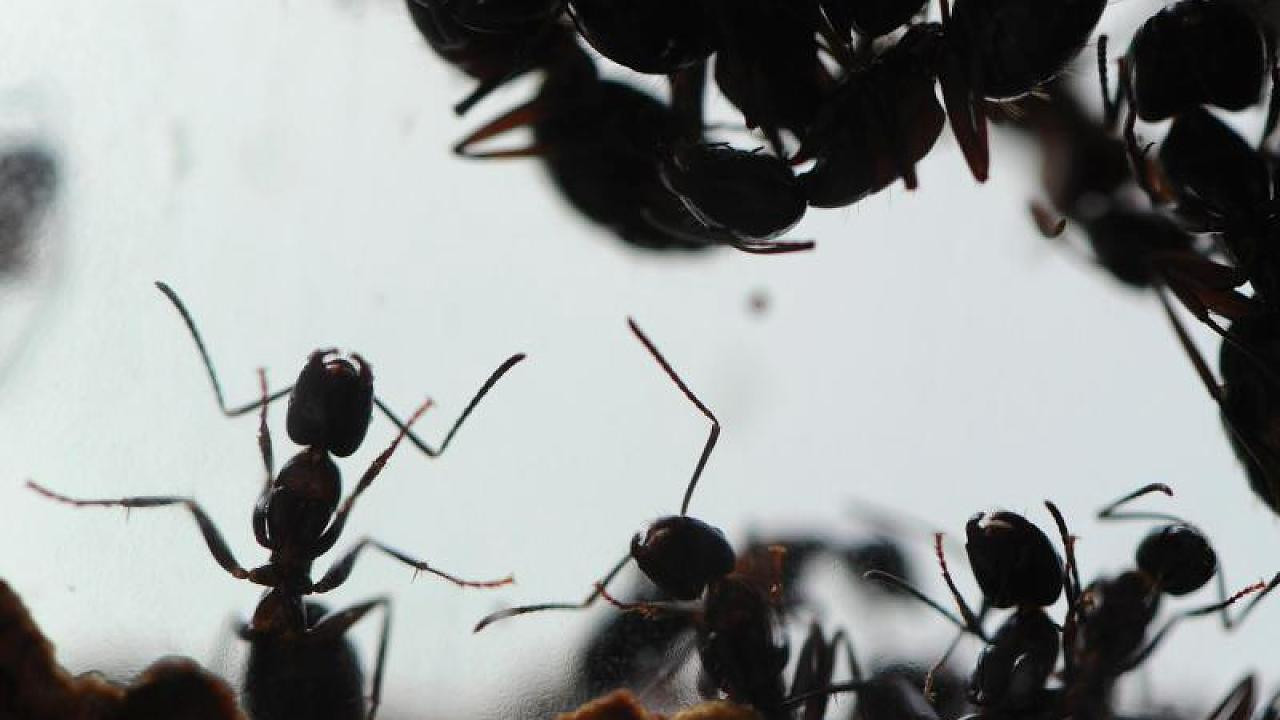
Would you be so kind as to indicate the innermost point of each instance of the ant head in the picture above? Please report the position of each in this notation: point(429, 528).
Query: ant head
point(1013, 561)
point(303, 498)
point(1011, 672)
point(681, 555)
point(1179, 557)
point(331, 403)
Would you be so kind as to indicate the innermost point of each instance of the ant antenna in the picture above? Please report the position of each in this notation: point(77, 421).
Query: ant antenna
point(208, 363)
point(1110, 512)
point(429, 451)
point(715, 424)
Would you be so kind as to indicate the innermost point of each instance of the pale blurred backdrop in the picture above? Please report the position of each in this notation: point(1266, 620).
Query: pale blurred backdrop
point(285, 166)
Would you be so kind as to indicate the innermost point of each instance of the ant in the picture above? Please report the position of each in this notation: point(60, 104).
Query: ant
point(33, 686)
point(602, 142)
point(1105, 635)
point(300, 664)
point(1016, 566)
point(687, 559)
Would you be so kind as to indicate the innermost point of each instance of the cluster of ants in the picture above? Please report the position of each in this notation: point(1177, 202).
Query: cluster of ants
point(844, 87)
point(1193, 221)
point(729, 607)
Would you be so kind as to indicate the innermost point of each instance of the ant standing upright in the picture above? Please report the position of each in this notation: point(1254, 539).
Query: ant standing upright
point(300, 664)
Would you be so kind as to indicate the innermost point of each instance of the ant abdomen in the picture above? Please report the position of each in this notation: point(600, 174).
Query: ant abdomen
point(1178, 557)
point(331, 403)
point(1012, 560)
point(681, 555)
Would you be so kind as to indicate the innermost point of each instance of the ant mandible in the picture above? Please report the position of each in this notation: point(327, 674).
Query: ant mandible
point(679, 553)
point(299, 660)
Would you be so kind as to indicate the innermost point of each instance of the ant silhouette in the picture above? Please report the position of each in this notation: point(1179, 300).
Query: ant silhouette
point(679, 553)
point(300, 664)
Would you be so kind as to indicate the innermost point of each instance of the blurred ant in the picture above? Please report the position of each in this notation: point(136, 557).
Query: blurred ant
point(33, 686)
point(29, 178)
point(687, 559)
point(300, 664)
point(888, 694)
point(602, 142)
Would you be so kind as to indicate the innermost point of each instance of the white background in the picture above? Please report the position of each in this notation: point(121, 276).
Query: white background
point(286, 167)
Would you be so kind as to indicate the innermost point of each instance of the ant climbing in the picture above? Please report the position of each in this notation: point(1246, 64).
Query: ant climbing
point(736, 624)
point(332, 399)
point(300, 664)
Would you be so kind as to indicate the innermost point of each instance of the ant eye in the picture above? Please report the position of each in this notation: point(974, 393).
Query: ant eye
point(1013, 561)
point(1179, 557)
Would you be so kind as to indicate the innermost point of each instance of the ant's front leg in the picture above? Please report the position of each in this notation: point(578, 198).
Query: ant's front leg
point(341, 570)
point(217, 546)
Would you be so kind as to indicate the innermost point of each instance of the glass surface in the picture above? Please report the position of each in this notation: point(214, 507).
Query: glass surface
point(286, 167)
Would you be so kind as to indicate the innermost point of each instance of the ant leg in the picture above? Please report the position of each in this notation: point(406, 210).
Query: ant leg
point(1238, 704)
point(341, 570)
point(208, 362)
point(331, 534)
point(268, 461)
point(599, 590)
point(1273, 102)
point(527, 114)
point(814, 668)
point(1228, 622)
point(333, 626)
point(466, 412)
point(715, 424)
point(1110, 102)
point(965, 612)
point(1206, 376)
point(1141, 655)
point(217, 546)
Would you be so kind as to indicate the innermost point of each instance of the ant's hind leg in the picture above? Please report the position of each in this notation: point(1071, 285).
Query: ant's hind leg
point(217, 545)
point(341, 570)
point(332, 627)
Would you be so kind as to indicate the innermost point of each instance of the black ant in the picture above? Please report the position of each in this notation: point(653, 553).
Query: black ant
point(300, 664)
